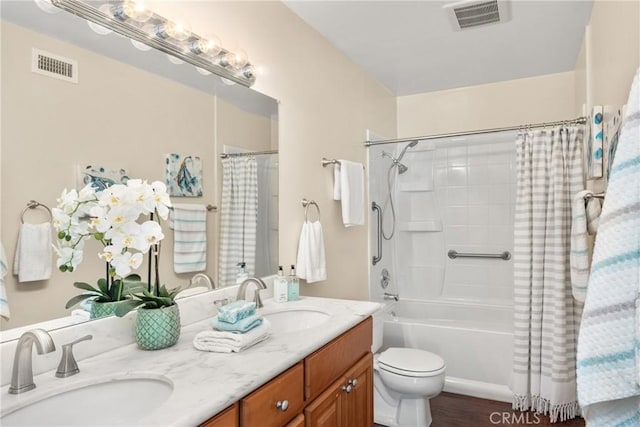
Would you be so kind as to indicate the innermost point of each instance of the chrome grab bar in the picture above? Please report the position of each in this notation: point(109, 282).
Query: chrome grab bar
point(506, 255)
point(375, 207)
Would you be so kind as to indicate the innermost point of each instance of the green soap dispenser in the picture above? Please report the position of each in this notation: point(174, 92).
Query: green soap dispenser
point(293, 285)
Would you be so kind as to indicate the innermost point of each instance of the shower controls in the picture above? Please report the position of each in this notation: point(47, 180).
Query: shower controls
point(385, 278)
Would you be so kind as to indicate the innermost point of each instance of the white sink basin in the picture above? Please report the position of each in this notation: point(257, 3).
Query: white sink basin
point(292, 319)
point(109, 403)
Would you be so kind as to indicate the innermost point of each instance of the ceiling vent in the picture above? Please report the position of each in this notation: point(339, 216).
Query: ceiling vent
point(472, 13)
point(55, 66)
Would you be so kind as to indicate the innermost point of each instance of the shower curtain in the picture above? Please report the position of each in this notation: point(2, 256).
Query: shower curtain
point(546, 317)
point(239, 217)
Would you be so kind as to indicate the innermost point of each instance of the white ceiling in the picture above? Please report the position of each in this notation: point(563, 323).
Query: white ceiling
point(411, 46)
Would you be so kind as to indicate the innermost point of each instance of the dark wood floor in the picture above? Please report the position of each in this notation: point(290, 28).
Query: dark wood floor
point(454, 410)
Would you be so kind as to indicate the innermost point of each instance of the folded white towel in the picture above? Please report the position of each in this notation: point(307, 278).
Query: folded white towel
point(189, 221)
point(4, 302)
point(32, 260)
point(311, 262)
point(229, 342)
point(579, 256)
point(349, 188)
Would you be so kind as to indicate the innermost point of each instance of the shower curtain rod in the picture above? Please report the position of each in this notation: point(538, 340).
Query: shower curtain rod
point(579, 120)
point(250, 153)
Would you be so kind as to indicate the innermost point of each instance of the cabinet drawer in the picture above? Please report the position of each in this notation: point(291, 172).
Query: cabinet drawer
point(331, 361)
point(259, 409)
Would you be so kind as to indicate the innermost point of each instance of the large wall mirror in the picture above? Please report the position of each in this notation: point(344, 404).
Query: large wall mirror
point(129, 109)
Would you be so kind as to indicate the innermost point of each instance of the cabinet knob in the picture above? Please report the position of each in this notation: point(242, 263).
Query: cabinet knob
point(353, 382)
point(282, 405)
point(347, 388)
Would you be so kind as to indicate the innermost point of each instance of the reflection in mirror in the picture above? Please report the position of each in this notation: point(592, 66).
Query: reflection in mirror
point(128, 110)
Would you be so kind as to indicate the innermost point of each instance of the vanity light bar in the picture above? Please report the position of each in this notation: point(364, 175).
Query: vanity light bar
point(134, 30)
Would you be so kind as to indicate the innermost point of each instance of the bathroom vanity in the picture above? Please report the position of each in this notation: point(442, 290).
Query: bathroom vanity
point(314, 370)
point(332, 386)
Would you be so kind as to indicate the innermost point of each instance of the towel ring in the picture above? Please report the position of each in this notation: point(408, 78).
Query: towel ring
point(32, 204)
point(305, 204)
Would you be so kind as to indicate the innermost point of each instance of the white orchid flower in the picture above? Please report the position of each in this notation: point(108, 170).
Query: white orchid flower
point(87, 193)
point(60, 219)
point(161, 198)
point(124, 263)
point(151, 232)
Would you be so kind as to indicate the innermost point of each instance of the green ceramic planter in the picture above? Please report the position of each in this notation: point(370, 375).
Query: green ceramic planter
point(157, 328)
point(103, 309)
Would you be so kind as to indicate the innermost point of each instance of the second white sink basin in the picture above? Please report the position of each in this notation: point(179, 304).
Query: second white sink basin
point(292, 319)
point(109, 403)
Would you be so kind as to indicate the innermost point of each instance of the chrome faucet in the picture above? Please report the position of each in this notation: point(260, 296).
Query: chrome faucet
point(68, 365)
point(22, 376)
point(205, 277)
point(260, 285)
point(387, 296)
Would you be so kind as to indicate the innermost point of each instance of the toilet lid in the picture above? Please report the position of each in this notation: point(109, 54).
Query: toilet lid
point(410, 360)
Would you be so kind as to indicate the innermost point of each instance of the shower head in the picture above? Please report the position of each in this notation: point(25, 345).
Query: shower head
point(404, 150)
point(396, 161)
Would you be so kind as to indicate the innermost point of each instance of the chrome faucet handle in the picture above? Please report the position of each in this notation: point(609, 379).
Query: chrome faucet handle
point(68, 365)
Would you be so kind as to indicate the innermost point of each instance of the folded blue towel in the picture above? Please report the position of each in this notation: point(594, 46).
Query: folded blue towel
point(236, 311)
point(240, 327)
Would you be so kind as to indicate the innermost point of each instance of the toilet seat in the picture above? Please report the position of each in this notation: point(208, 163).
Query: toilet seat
point(411, 362)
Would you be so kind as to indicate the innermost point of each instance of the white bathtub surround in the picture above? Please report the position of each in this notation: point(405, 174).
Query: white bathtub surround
point(546, 316)
point(203, 383)
point(608, 359)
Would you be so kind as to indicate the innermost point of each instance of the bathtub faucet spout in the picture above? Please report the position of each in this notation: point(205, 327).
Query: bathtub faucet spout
point(387, 296)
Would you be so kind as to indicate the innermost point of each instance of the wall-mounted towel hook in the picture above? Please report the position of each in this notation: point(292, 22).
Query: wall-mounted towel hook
point(32, 204)
point(305, 204)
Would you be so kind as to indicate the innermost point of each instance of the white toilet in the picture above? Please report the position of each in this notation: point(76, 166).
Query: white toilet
point(404, 380)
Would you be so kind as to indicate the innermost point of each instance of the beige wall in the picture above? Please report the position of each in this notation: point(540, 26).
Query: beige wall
point(507, 103)
point(117, 116)
point(326, 103)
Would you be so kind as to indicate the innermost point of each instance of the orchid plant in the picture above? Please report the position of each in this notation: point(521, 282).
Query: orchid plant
point(110, 216)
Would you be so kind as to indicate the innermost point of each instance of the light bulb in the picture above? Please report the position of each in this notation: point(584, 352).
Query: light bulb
point(236, 59)
point(130, 9)
point(207, 46)
point(203, 71)
point(46, 6)
point(175, 60)
point(140, 46)
point(179, 31)
point(227, 81)
point(248, 72)
point(96, 28)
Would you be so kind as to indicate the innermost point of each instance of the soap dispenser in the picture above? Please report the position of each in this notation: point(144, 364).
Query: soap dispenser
point(280, 287)
point(293, 285)
point(243, 274)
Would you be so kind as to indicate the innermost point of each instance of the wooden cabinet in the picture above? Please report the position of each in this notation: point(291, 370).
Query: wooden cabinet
point(332, 387)
point(226, 418)
point(275, 403)
point(348, 402)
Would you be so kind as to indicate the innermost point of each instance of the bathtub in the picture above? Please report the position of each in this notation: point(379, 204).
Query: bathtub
point(475, 341)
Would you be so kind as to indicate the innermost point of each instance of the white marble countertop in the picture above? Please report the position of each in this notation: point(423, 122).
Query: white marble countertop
point(204, 383)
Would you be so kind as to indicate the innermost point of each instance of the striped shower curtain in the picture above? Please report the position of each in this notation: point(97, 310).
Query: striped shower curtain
point(546, 317)
point(239, 217)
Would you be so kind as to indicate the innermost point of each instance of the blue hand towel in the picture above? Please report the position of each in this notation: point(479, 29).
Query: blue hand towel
point(240, 327)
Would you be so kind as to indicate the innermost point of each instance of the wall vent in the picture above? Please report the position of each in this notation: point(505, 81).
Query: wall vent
point(56, 66)
point(472, 13)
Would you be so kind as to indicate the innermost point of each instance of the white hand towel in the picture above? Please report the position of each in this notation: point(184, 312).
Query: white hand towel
point(311, 262)
point(229, 342)
point(594, 208)
point(189, 222)
point(579, 256)
point(352, 192)
point(337, 184)
point(32, 261)
point(4, 268)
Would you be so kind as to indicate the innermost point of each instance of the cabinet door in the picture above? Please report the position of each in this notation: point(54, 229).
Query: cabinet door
point(226, 418)
point(325, 410)
point(297, 421)
point(357, 407)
